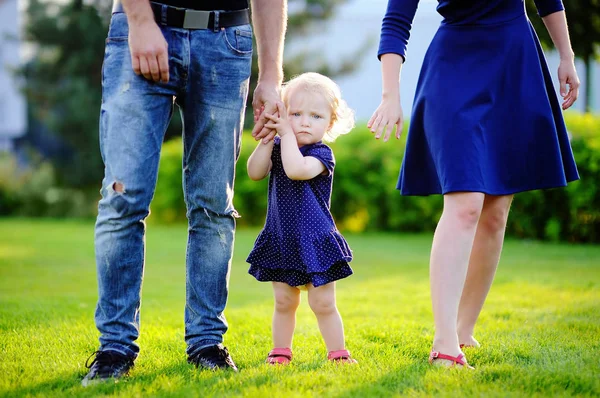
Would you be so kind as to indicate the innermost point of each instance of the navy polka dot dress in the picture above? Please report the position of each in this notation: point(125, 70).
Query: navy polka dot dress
point(300, 243)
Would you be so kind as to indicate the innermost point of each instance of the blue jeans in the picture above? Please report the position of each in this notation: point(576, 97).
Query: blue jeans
point(209, 75)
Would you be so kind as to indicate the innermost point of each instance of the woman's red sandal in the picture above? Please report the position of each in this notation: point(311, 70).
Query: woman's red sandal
point(341, 356)
point(459, 360)
point(279, 356)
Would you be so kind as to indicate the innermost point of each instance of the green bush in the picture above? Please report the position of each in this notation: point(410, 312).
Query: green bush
point(33, 192)
point(168, 205)
point(584, 195)
point(364, 195)
point(364, 189)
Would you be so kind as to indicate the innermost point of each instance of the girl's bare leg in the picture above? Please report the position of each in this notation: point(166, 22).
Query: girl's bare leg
point(287, 299)
point(322, 303)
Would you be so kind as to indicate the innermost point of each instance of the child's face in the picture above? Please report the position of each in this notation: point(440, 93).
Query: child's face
point(309, 114)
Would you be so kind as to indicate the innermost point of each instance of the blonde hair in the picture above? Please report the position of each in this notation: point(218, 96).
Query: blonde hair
point(342, 117)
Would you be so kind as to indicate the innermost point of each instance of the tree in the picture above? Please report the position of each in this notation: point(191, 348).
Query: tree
point(584, 29)
point(62, 82)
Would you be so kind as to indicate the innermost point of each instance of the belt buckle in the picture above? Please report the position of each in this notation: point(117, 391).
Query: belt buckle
point(196, 19)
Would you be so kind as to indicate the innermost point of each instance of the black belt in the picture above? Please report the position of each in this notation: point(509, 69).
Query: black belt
point(195, 19)
point(206, 5)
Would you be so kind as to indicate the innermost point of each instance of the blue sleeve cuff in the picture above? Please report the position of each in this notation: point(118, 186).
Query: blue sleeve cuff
point(547, 7)
point(395, 28)
point(401, 51)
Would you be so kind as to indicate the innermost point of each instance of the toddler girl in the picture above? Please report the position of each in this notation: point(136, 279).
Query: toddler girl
point(300, 246)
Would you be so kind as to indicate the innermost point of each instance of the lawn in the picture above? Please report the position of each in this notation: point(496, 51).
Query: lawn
point(540, 328)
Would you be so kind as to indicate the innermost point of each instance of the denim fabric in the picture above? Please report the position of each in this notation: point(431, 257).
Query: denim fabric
point(209, 74)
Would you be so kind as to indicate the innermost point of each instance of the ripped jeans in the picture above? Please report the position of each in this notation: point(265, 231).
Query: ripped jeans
point(209, 74)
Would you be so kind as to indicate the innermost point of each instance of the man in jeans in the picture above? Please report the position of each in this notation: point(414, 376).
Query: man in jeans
point(197, 54)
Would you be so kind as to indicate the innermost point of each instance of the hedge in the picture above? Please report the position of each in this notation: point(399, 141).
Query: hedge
point(365, 199)
point(364, 195)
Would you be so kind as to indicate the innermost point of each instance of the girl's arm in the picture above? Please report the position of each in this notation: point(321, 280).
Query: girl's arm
point(259, 163)
point(556, 23)
point(295, 165)
point(389, 112)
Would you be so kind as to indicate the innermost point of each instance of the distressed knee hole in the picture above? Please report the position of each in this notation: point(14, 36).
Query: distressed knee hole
point(118, 187)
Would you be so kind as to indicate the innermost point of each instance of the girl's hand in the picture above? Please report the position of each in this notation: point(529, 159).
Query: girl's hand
point(567, 75)
point(388, 114)
point(279, 121)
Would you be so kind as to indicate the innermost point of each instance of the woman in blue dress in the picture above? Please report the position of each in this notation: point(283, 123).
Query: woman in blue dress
point(300, 246)
point(486, 124)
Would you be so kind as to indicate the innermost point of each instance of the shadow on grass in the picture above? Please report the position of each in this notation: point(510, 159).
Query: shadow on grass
point(399, 380)
point(183, 375)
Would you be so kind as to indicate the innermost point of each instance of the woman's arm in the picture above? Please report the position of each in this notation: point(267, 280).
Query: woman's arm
point(395, 28)
point(259, 163)
point(395, 31)
point(556, 23)
point(389, 112)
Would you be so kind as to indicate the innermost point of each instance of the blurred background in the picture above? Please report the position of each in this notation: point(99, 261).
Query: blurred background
point(51, 56)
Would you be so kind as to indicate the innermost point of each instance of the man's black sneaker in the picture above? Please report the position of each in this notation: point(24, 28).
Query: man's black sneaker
point(106, 365)
point(213, 357)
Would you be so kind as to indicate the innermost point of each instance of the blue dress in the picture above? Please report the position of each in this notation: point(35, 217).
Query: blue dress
point(485, 117)
point(300, 243)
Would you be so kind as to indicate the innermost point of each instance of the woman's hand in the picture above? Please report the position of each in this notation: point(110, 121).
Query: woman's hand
point(567, 75)
point(279, 121)
point(388, 114)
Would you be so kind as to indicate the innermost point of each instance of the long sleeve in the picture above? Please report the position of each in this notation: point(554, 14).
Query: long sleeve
point(395, 29)
point(547, 7)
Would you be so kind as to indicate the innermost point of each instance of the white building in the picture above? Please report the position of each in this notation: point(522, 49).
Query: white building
point(13, 117)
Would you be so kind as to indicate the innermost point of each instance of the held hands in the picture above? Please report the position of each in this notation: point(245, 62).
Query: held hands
point(278, 123)
point(149, 51)
point(567, 75)
point(265, 100)
point(388, 114)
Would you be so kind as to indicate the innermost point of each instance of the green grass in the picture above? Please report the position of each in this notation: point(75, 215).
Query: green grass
point(540, 328)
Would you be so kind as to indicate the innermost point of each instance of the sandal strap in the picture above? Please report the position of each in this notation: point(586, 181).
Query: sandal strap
point(339, 354)
point(280, 352)
point(460, 359)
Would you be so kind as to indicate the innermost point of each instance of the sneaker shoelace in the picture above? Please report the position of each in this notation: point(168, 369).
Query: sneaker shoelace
point(223, 355)
point(108, 362)
point(219, 355)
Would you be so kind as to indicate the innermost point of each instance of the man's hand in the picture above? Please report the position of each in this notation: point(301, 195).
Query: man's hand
point(149, 51)
point(266, 97)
